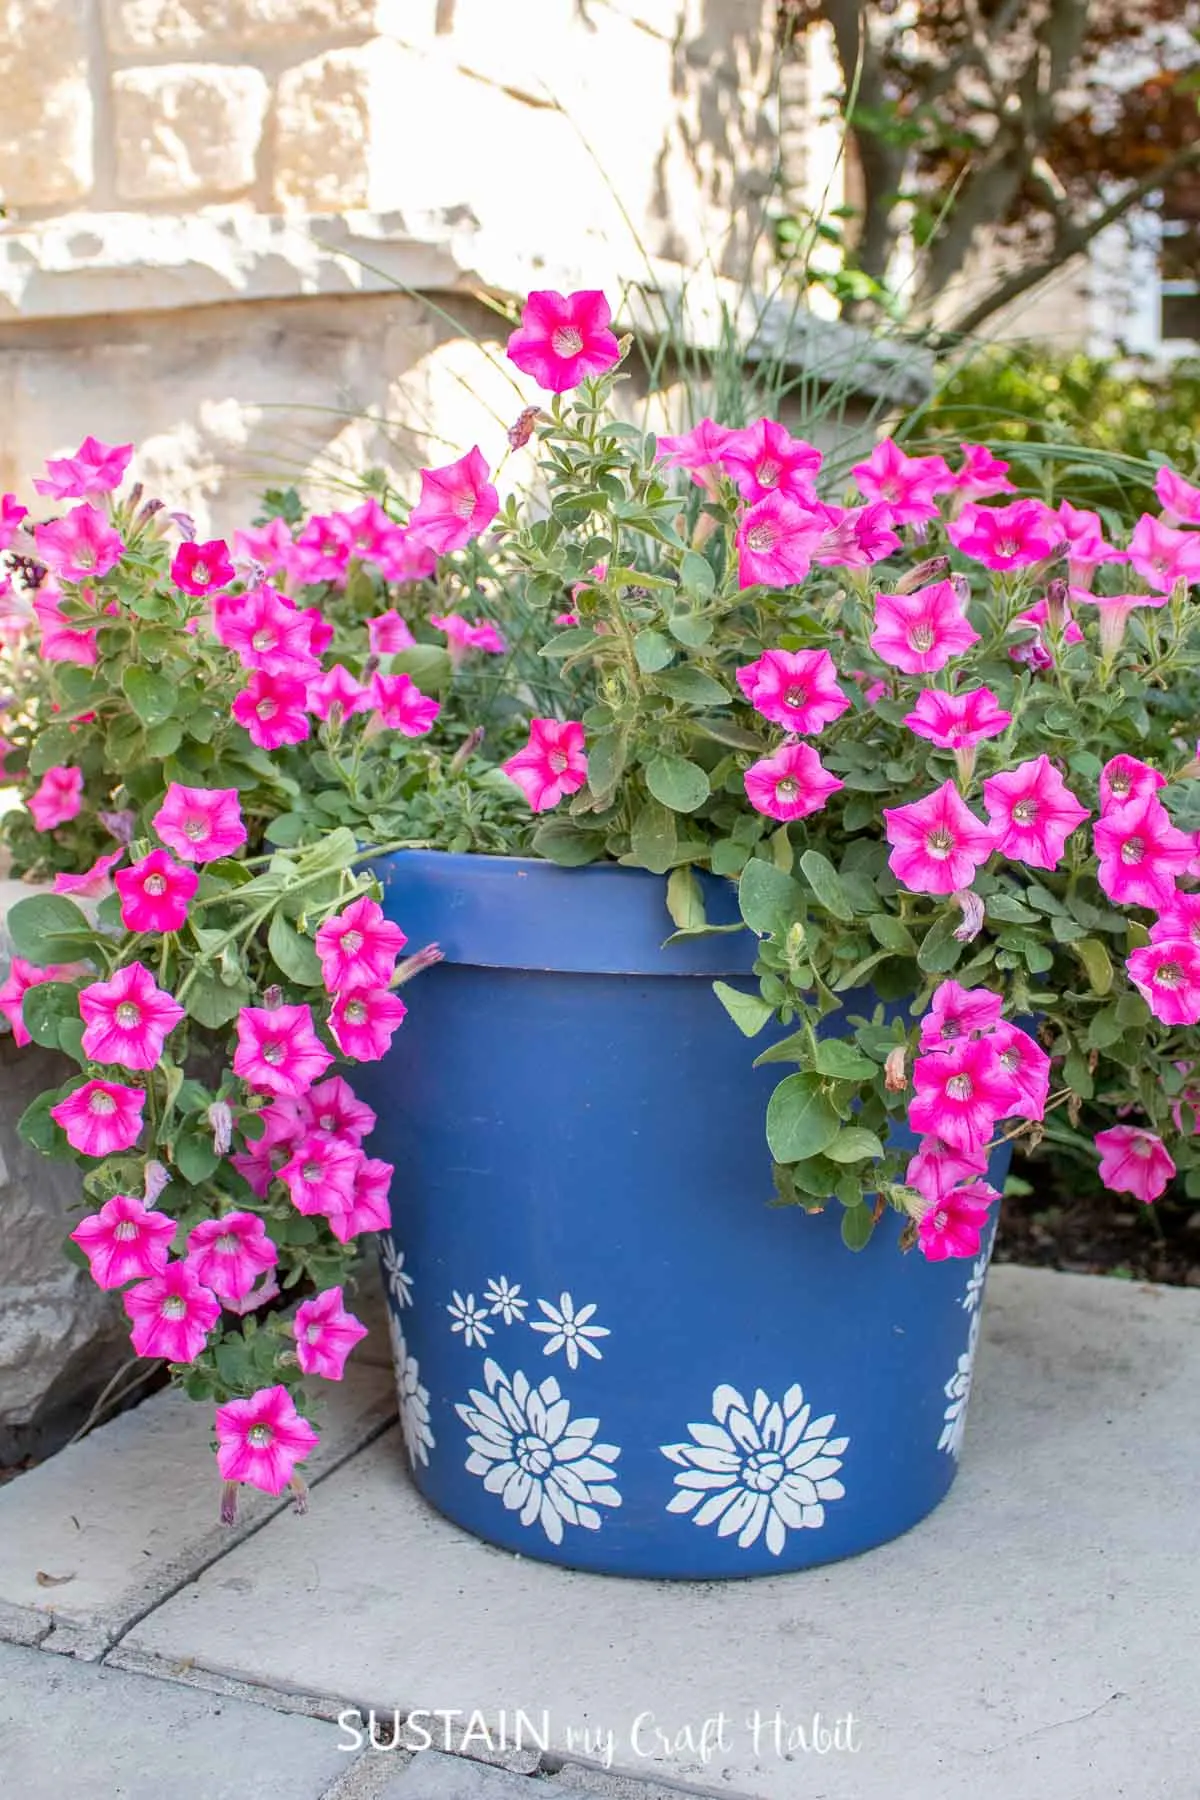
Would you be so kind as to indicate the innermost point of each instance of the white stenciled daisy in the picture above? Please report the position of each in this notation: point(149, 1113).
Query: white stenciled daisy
point(544, 1465)
point(470, 1319)
point(958, 1393)
point(413, 1399)
point(766, 1467)
point(505, 1298)
point(398, 1279)
point(974, 1291)
point(568, 1329)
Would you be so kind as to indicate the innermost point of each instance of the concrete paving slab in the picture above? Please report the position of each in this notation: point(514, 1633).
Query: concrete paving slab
point(74, 1731)
point(118, 1521)
point(1038, 1635)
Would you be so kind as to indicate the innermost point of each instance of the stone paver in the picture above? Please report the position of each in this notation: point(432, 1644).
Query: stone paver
point(1037, 1635)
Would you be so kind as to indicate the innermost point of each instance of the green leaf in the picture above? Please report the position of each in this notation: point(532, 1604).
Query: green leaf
point(653, 840)
point(844, 1061)
point(696, 575)
point(1105, 1029)
point(724, 731)
point(940, 950)
point(1095, 959)
point(49, 928)
point(195, 1157)
point(749, 1012)
point(692, 686)
point(858, 1222)
point(685, 902)
point(892, 933)
point(564, 844)
point(164, 739)
point(567, 643)
point(37, 1127)
point(800, 1119)
point(826, 884)
point(212, 1004)
point(815, 1175)
point(854, 1145)
point(428, 664)
point(768, 899)
point(1003, 907)
point(293, 953)
point(46, 1008)
point(653, 651)
point(692, 629)
point(152, 696)
point(607, 754)
point(852, 977)
point(679, 784)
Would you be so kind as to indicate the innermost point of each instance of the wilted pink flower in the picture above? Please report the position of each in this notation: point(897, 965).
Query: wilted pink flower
point(456, 504)
point(790, 783)
point(155, 893)
point(464, 636)
point(402, 706)
point(954, 1225)
point(21, 977)
point(200, 824)
point(957, 1012)
point(855, 537)
point(937, 843)
point(1025, 1060)
point(337, 687)
point(564, 339)
point(260, 1440)
point(1037, 651)
point(1180, 918)
point(91, 883)
point(905, 484)
point(776, 540)
point(11, 514)
point(938, 1167)
point(62, 639)
point(797, 689)
point(699, 451)
point(128, 1018)
point(1167, 975)
point(125, 1241)
point(1112, 611)
point(389, 633)
point(371, 1210)
point(1124, 778)
point(981, 474)
point(957, 721)
point(1163, 556)
point(172, 1314)
point(229, 1254)
point(94, 469)
point(57, 798)
point(1006, 537)
point(80, 547)
point(202, 568)
point(1086, 544)
point(1033, 813)
point(326, 1334)
point(267, 547)
point(359, 946)
point(1134, 1162)
point(552, 765)
point(265, 631)
point(920, 632)
point(278, 1050)
point(333, 1107)
point(363, 1020)
point(1178, 498)
point(101, 1118)
point(765, 459)
point(273, 709)
point(1140, 853)
point(961, 1090)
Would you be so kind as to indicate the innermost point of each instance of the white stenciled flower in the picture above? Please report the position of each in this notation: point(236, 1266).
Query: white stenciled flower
point(766, 1467)
point(395, 1274)
point(544, 1465)
point(505, 1299)
point(412, 1397)
point(568, 1329)
point(974, 1294)
point(470, 1319)
point(958, 1393)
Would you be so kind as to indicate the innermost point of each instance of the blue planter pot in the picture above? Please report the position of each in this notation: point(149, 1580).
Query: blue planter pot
point(612, 1351)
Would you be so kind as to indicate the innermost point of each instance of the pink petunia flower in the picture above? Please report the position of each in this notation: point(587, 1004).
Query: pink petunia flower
point(91, 883)
point(359, 946)
point(456, 504)
point(1179, 919)
point(389, 633)
point(855, 537)
point(906, 484)
point(1007, 537)
point(266, 547)
point(94, 469)
point(172, 1314)
point(363, 1020)
point(401, 706)
point(1133, 1161)
point(125, 1241)
point(273, 709)
point(265, 631)
point(1112, 612)
point(981, 475)
point(11, 514)
point(1025, 1060)
point(326, 1334)
point(62, 639)
point(1140, 853)
point(1179, 499)
point(278, 1050)
point(954, 1224)
point(700, 451)
point(260, 1440)
point(765, 459)
point(82, 546)
point(229, 1254)
point(128, 1019)
point(337, 687)
point(320, 1174)
point(957, 1012)
point(322, 551)
point(404, 557)
point(797, 689)
point(937, 843)
point(1033, 812)
point(200, 824)
point(101, 1118)
point(202, 568)
point(961, 1091)
point(57, 798)
point(1125, 778)
point(1163, 556)
point(938, 1167)
point(333, 1107)
point(776, 539)
point(464, 636)
point(1087, 546)
point(920, 632)
point(552, 765)
point(790, 783)
point(21, 977)
point(1166, 973)
point(958, 722)
point(564, 339)
point(371, 1210)
point(155, 893)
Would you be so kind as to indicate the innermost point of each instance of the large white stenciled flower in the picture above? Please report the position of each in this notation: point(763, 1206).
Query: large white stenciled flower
point(412, 1397)
point(543, 1464)
point(958, 1393)
point(567, 1329)
point(766, 1467)
point(398, 1279)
